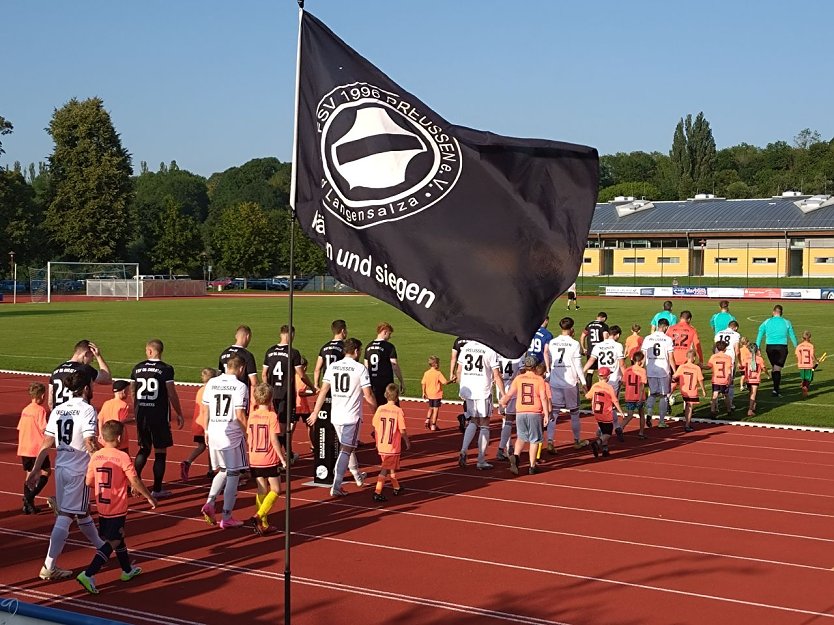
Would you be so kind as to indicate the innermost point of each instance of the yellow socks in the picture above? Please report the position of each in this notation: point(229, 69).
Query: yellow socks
point(266, 505)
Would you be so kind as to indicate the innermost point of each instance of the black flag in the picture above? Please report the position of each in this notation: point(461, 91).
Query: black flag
point(468, 232)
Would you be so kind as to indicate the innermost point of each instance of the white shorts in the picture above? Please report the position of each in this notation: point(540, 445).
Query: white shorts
point(71, 492)
point(660, 386)
point(231, 459)
point(564, 397)
point(348, 433)
point(478, 408)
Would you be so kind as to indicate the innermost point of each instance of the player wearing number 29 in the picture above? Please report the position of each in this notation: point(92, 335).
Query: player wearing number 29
point(478, 370)
point(347, 381)
point(154, 395)
point(71, 428)
point(82, 356)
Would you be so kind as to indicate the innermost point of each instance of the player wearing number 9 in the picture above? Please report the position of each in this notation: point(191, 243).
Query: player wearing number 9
point(154, 395)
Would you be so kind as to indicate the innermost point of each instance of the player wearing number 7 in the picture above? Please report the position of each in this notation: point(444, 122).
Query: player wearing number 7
point(71, 428)
point(154, 395)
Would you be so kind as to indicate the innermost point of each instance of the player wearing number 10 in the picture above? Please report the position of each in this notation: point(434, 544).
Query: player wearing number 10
point(154, 394)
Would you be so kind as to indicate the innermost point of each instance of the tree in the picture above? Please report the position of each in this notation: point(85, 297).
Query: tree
point(693, 155)
point(264, 181)
point(6, 128)
point(806, 137)
point(309, 257)
point(639, 190)
point(243, 239)
point(18, 226)
point(178, 242)
point(90, 178)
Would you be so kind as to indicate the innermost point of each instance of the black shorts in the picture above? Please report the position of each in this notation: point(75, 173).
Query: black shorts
point(435, 403)
point(690, 400)
point(112, 528)
point(200, 439)
point(29, 463)
point(281, 406)
point(777, 355)
point(154, 433)
point(571, 294)
point(264, 472)
point(606, 427)
point(721, 389)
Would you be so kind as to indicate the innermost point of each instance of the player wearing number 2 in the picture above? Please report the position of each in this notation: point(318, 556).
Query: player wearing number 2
point(610, 353)
point(71, 428)
point(82, 356)
point(477, 372)
point(154, 395)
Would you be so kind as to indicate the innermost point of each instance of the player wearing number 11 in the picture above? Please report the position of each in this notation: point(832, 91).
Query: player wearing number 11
point(154, 395)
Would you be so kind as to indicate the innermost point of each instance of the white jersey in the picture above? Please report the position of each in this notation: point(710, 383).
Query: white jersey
point(565, 362)
point(70, 424)
point(658, 349)
point(509, 368)
point(224, 395)
point(731, 337)
point(572, 288)
point(609, 353)
point(476, 362)
point(347, 377)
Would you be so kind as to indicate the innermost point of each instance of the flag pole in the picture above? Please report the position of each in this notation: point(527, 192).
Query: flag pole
point(290, 367)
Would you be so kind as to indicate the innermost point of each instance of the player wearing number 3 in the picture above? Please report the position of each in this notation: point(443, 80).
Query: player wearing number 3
point(154, 395)
point(71, 428)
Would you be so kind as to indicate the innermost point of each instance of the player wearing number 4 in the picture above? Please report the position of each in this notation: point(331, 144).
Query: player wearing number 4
point(108, 474)
point(389, 432)
point(154, 396)
point(609, 353)
point(71, 428)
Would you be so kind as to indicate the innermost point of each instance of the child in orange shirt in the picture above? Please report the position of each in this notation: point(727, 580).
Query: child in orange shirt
point(806, 361)
point(198, 427)
point(30, 433)
point(743, 359)
point(603, 400)
point(119, 410)
point(635, 380)
point(690, 377)
point(633, 342)
point(302, 398)
point(753, 371)
point(432, 382)
point(266, 455)
point(109, 474)
point(389, 429)
point(721, 364)
point(532, 411)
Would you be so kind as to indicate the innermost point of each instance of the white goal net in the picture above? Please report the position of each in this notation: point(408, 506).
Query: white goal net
point(59, 281)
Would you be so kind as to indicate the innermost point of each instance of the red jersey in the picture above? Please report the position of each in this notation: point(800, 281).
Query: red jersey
point(30, 430)
point(635, 380)
point(432, 383)
point(529, 388)
point(633, 344)
point(602, 401)
point(115, 410)
point(805, 358)
point(389, 424)
point(722, 368)
point(688, 375)
point(684, 337)
point(109, 474)
point(263, 427)
point(754, 376)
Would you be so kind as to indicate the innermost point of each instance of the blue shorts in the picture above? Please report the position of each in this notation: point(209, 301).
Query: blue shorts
point(634, 405)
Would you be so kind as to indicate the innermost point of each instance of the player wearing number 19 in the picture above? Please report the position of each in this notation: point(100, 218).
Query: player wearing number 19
point(82, 356)
point(154, 395)
point(71, 428)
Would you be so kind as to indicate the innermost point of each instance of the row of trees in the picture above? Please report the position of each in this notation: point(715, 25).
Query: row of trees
point(85, 204)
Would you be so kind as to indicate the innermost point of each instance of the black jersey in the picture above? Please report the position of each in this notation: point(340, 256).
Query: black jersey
point(379, 353)
point(458, 345)
point(278, 371)
point(60, 393)
point(331, 352)
point(150, 398)
point(250, 368)
point(596, 333)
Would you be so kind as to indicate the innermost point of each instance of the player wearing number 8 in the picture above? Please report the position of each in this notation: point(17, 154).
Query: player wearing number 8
point(154, 395)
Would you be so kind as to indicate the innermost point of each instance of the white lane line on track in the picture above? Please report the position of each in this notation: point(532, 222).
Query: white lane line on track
point(305, 581)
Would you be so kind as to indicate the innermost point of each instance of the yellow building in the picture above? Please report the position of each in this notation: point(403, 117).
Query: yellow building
point(788, 235)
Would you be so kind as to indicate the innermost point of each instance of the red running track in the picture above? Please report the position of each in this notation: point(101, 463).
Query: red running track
point(722, 525)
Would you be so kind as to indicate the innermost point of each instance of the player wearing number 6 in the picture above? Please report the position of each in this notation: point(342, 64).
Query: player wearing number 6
point(154, 395)
point(71, 428)
point(659, 350)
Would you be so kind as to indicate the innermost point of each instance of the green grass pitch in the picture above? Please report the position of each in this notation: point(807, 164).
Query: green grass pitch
point(37, 337)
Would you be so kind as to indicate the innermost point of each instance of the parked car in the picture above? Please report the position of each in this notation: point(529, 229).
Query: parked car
point(7, 286)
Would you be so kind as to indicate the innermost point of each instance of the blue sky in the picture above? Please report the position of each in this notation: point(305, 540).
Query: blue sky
point(210, 84)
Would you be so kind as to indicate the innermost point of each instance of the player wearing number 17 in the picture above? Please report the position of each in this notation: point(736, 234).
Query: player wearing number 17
point(154, 395)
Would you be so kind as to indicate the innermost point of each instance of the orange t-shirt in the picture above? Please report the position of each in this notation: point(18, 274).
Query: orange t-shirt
point(633, 344)
point(722, 368)
point(263, 426)
point(118, 410)
point(302, 400)
point(389, 424)
point(635, 383)
point(805, 355)
point(198, 423)
point(433, 382)
point(602, 401)
point(528, 388)
point(109, 473)
point(754, 377)
point(684, 337)
point(744, 356)
point(688, 375)
point(30, 430)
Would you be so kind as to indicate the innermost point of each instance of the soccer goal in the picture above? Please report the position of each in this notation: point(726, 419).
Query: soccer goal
point(60, 280)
